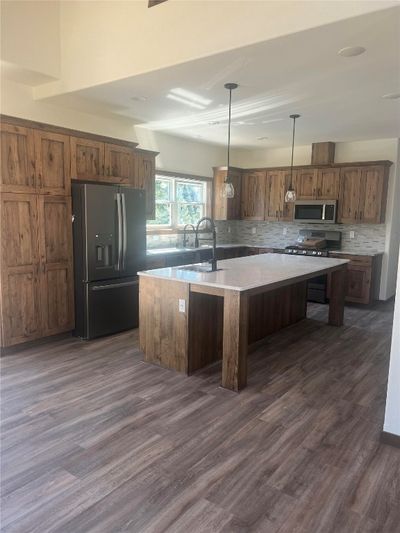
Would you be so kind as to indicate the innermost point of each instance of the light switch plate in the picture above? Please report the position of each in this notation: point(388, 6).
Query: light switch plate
point(182, 305)
point(352, 234)
point(253, 231)
point(285, 231)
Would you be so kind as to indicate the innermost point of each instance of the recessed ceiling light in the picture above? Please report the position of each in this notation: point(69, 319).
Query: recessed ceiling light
point(139, 98)
point(262, 138)
point(391, 96)
point(351, 51)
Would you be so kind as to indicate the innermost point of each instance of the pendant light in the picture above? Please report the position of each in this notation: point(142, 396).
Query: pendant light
point(290, 195)
point(228, 190)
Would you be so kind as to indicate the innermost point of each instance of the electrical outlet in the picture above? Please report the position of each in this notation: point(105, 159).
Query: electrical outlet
point(229, 229)
point(182, 305)
point(285, 231)
point(253, 231)
point(352, 234)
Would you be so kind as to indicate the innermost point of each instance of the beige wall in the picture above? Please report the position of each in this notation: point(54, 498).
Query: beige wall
point(176, 154)
point(30, 35)
point(119, 39)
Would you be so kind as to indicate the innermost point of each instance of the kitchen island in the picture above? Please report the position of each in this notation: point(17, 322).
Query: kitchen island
point(190, 318)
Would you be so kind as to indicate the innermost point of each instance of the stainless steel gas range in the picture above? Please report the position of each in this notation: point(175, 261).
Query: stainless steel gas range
point(316, 243)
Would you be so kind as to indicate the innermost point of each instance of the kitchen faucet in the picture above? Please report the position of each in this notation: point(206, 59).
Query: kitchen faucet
point(211, 222)
point(185, 236)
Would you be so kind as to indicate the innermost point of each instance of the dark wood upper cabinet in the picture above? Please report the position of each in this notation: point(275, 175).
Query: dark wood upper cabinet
point(53, 163)
point(253, 195)
point(227, 208)
point(277, 183)
point(119, 163)
point(306, 183)
point(87, 159)
point(363, 194)
point(328, 183)
point(372, 204)
point(144, 178)
point(17, 159)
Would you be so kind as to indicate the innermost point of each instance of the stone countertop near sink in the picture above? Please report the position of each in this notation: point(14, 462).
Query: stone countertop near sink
point(246, 273)
point(162, 251)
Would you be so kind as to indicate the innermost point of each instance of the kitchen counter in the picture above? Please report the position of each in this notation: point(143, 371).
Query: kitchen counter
point(189, 319)
point(162, 251)
point(245, 273)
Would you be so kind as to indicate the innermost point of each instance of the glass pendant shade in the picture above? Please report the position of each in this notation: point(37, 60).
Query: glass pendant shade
point(290, 196)
point(228, 190)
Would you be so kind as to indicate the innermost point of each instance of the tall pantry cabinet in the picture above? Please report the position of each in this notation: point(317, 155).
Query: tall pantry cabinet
point(36, 234)
point(37, 164)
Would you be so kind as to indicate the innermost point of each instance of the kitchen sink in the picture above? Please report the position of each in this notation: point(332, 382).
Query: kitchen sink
point(199, 268)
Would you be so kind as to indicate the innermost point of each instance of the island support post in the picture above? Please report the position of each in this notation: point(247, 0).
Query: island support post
point(235, 339)
point(337, 296)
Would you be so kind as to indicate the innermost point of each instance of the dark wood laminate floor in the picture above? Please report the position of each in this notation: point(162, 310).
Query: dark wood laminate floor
point(94, 440)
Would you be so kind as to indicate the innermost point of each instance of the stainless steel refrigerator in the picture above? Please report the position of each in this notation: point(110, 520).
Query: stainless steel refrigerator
point(109, 230)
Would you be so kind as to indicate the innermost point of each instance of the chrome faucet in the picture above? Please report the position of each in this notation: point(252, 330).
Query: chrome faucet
point(211, 222)
point(185, 236)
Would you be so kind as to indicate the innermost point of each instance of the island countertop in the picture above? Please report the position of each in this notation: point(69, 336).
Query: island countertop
point(246, 273)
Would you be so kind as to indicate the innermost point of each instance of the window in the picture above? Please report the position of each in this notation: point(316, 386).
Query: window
point(178, 202)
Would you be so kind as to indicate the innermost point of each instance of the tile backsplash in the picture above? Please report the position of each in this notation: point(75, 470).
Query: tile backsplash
point(368, 237)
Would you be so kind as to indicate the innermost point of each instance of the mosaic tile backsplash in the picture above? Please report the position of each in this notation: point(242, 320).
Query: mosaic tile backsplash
point(368, 237)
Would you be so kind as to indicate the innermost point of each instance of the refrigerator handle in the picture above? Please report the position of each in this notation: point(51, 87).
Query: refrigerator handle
point(119, 222)
point(124, 230)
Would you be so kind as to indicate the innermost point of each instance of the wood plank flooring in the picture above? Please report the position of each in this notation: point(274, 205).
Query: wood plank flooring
point(95, 440)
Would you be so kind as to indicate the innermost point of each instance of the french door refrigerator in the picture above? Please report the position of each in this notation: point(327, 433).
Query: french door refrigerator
point(109, 230)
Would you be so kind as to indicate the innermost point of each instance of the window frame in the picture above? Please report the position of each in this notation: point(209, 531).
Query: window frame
point(175, 179)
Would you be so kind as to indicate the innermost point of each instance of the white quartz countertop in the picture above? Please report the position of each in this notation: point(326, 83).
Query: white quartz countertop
point(247, 273)
point(162, 251)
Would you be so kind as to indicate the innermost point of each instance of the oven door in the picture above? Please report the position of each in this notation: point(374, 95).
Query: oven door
point(315, 212)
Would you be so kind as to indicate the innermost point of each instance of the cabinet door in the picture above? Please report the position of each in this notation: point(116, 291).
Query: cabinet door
point(373, 195)
point(145, 176)
point(328, 183)
point(358, 285)
point(349, 195)
point(52, 155)
point(119, 163)
point(227, 208)
point(305, 184)
point(286, 211)
point(253, 195)
point(274, 195)
point(87, 159)
point(56, 273)
point(17, 159)
point(19, 276)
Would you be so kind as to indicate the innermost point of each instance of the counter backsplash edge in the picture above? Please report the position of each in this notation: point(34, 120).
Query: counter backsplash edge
point(368, 237)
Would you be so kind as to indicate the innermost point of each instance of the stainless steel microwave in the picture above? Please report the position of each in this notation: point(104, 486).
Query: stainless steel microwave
point(317, 211)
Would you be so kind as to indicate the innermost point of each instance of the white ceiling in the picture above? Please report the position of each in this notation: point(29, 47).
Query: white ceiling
point(339, 98)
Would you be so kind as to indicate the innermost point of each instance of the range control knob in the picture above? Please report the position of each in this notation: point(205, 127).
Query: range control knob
point(304, 252)
point(319, 253)
point(295, 251)
point(315, 253)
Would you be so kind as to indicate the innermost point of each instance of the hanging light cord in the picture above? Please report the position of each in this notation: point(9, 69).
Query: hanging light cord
point(291, 163)
point(229, 133)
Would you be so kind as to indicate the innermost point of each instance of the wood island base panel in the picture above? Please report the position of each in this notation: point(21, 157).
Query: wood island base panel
point(190, 319)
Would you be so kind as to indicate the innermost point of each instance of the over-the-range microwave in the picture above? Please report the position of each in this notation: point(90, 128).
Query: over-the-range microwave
point(317, 211)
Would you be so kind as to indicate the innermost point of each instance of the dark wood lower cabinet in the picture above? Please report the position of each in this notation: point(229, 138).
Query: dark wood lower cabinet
point(362, 278)
point(36, 270)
